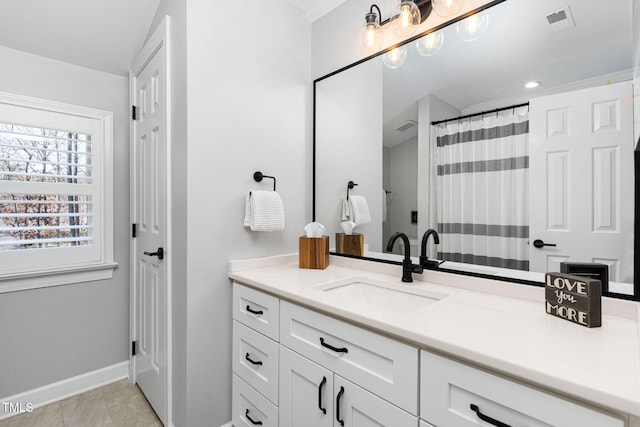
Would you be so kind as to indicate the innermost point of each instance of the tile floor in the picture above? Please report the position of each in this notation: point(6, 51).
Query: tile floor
point(120, 404)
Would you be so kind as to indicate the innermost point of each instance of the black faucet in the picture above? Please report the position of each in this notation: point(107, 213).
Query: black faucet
point(407, 266)
point(425, 262)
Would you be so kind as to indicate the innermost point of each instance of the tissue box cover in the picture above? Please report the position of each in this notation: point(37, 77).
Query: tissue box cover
point(314, 252)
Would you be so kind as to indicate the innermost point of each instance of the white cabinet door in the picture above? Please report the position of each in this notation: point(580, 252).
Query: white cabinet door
point(356, 407)
point(306, 392)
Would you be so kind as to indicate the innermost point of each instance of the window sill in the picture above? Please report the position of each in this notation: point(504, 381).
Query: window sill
point(55, 277)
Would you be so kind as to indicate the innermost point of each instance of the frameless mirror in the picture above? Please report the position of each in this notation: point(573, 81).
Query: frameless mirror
point(554, 165)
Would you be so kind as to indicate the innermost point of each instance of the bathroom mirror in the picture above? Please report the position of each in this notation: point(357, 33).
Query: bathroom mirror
point(373, 126)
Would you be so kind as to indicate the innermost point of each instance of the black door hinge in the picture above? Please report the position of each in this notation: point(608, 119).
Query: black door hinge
point(133, 112)
point(134, 230)
point(133, 348)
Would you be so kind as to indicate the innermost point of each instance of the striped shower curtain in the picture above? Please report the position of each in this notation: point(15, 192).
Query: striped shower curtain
point(482, 189)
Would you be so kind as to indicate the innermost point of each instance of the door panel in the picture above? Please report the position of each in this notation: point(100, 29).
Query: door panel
point(581, 164)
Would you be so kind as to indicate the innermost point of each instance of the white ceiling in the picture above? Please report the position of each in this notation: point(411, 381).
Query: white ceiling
point(518, 46)
point(103, 35)
point(314, 9)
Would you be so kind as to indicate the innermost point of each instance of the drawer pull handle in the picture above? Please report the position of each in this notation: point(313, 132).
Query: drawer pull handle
point(246, 356)
point(485, 418)
point(340, 393)
point(332, 348)
point(320, 387)
point(259, 312)
point(254, 422)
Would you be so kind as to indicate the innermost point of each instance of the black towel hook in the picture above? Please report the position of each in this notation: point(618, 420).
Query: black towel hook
point(259, 175)
point(350, 186)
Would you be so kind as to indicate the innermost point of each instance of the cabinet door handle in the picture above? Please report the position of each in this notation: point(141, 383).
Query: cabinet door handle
point(487, 419)
point(340, 393)
point(246, 356)
point(332, 348)
point(254, 422)
point(320, 387)
point(258, 312)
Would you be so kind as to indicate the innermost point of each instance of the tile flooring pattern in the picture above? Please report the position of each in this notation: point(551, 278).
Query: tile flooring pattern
point(120, 404)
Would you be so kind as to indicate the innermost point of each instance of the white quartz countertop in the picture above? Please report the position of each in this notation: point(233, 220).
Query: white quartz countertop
point(511, 335)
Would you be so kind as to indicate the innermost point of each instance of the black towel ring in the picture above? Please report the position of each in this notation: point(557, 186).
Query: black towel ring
point(350, 186)
point(258, 176)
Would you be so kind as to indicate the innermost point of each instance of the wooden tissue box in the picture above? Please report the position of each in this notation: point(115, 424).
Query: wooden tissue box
point(314, 252)
point(350, 244)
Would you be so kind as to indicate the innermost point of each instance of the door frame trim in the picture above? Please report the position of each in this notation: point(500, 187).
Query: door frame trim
point(160, 38)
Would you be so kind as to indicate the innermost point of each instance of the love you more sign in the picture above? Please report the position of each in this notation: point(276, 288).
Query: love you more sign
point(574, 298)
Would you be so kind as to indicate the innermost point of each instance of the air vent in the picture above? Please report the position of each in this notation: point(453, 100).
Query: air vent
point(561, 20)
point(405, 125)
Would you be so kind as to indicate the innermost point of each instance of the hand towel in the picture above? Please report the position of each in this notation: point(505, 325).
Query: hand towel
point(346, 211)
point(359, 210)
point(264, 211)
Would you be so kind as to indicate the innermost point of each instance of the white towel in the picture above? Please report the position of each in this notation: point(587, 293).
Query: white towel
point(359, 210)
point(346, 210)
point(263, 211)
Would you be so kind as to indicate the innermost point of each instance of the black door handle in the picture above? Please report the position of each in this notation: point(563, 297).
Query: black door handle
point(487, 419)
point(332, 348)
point(246, 356)
point(159, 253)
point(539, 243)
point(320, 387)
point(254, 422)
point(340, 393)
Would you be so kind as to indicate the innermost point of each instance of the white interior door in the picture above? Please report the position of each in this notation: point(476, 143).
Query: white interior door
point(149, 214)
point(581, 171)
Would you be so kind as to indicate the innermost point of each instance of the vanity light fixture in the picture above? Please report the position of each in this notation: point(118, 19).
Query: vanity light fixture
point(447, 8)
point(430, 44)
point(395, 57)
point(532, 84)
point(408, 14)
point(471, 28)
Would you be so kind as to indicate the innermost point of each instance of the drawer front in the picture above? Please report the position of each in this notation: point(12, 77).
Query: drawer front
point(457, 395)
point(251, 408)
point(381, 365)
point(255, 360)
point(257, 310)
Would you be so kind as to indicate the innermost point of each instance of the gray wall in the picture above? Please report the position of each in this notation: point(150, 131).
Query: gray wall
point(51, 334)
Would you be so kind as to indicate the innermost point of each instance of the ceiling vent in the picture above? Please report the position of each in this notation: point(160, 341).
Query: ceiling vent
point(561, 20)
point(405, 125)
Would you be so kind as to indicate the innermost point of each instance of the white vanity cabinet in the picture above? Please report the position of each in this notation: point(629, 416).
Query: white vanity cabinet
point(457, 395)
point(313, 396)
point(255, 356)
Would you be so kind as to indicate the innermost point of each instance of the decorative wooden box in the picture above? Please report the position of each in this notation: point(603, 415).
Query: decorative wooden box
point(574, 298)
point(350, 244)
point(314, 252)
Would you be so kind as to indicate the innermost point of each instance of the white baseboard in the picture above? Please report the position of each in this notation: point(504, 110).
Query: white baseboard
point(229, 424)
point(54, 392)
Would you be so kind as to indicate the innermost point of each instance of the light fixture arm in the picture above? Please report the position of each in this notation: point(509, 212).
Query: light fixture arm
point(424, 6)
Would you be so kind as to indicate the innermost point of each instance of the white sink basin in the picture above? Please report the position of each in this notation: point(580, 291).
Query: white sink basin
point(391, 296)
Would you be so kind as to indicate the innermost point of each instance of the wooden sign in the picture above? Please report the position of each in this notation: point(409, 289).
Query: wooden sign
point(574, 298)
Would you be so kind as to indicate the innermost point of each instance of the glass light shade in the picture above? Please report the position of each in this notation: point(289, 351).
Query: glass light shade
point(405, 19)
point(471, 28)
point(395, 57)
point(430, 44)
point(371, 37)
point(446, 8)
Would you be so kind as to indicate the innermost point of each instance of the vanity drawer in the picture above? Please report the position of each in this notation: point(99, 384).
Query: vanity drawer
point(449, 389)
point(381, 365)
point(255, 360)
point(250, 408)
point(257, 310)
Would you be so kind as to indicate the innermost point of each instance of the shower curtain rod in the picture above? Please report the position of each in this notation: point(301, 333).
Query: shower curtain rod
point(481, 113)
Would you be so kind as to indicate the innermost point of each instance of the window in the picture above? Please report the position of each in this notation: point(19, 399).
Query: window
point(56, 192)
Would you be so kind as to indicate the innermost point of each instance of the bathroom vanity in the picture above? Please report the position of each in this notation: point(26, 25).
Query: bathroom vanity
point(353, 345)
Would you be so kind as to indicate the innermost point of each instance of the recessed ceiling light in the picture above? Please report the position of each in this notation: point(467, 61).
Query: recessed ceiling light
point(532, 84)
